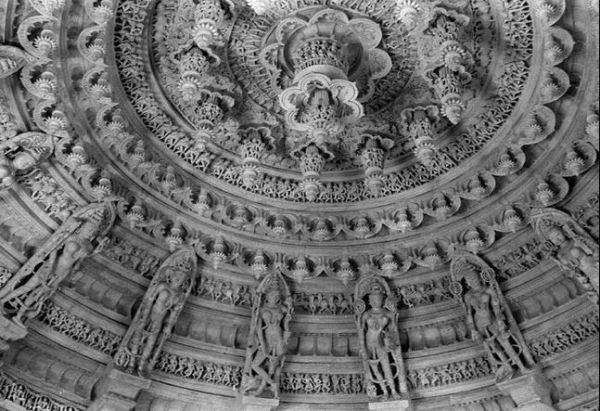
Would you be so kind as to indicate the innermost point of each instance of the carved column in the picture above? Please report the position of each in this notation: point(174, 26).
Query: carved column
point(24, 295)
point(492, 324)
point(573, 249)
point(376, 318)
point(269, 335)
point(150, 328)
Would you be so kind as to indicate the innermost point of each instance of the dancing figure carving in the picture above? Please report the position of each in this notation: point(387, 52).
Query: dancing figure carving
point(269, 335)
point(82, 235)
point(573, 249)
point(379, 340)
point(157, 314)
point(489, 319)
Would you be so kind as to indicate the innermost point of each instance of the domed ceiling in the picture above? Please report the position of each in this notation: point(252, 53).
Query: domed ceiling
point(299, 204)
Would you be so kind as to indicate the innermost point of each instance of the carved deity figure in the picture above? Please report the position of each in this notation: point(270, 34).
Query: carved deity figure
point(82, 235)
point(379, 339)
point(160, 307)
point(489, 319)
point(269, 335)
point(21, 153)
point(573, 249)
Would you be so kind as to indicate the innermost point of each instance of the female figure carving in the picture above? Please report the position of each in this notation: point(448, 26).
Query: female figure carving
point(24, 295)
point(269, 335)
point(379, 340)
point(158, 312)
point(489, 320)
point(574, 250)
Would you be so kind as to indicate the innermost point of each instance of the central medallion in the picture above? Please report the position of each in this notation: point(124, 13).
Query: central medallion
point(326, 62)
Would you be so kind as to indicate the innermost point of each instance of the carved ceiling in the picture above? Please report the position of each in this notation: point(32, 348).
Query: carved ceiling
point(324, 140)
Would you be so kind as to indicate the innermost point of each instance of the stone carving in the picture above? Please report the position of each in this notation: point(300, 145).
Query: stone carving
point(8, 128)
point(64, 322)
point(24, 396)
point(225, 292)
point(489, 318)
point(47, 192)
point(21, 153)
point(259, 186)
point(269, 334)
point(562, 339)
point(312, 383)
point(452, 373)
point(80, 236)
point(573, 249)
point(203, 371)
point(12, 59)
point(379, 340)
point(516, 262)
point(123, 252)
point(420, 294)
point(160, 307)
point(588, 216)
point(323, 303)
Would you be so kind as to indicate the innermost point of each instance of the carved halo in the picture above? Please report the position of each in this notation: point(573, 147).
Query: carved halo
point(368, 285)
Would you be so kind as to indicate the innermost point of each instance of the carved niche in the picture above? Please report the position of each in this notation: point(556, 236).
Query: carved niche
point(160, 307)
point(269, 335)
point(376, 319)
point(24, 294)
point(488, 317)
point(572, 248)
point(82, 234)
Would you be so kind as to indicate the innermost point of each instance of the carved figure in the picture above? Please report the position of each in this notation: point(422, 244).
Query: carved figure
point(379, 340)
point(489, 319)
point(158, 312)
point(573, 249)
point(269, 335)
point(21, 153)
point(82, 235)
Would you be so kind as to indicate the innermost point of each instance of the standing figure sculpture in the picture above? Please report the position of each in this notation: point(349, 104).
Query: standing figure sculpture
point(82, 235)
point(269, 335)
point(379, 340)
point(160, 307)
point(489, 319)
point(573, 249)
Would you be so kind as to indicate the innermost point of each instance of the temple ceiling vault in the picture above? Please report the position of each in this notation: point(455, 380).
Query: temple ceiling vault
point(168, 166)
